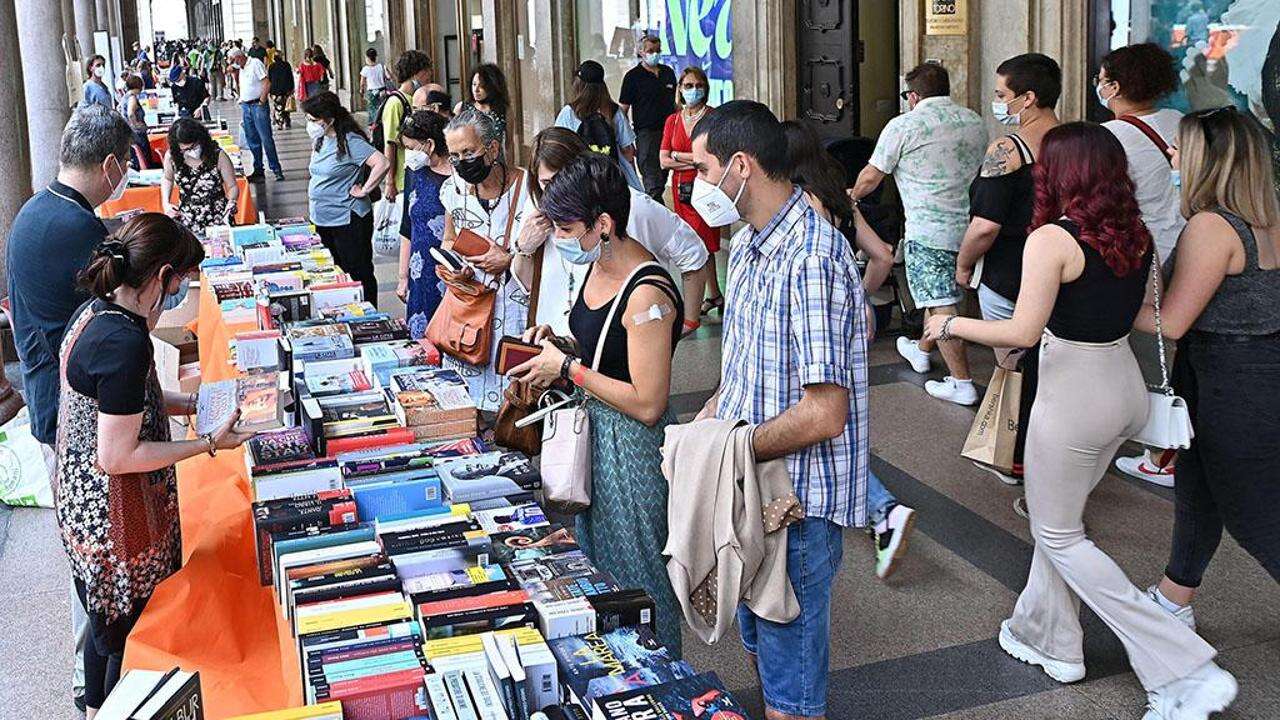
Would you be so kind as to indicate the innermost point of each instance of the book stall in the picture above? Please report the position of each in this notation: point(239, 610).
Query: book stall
point(366, 556)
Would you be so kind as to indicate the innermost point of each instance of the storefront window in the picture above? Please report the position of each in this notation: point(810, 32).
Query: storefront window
point(693, 32)
point(1220, 46)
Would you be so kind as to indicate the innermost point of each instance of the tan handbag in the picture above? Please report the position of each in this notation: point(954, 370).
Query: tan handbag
point(462, 326)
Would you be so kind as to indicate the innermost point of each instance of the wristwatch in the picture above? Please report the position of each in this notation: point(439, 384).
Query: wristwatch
point(208, 438)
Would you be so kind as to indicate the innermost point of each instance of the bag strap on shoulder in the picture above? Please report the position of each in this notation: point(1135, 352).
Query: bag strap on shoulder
point(613, 310)
point(1151, 134)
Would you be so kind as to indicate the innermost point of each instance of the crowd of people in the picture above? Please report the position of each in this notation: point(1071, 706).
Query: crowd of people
point(1073, 234)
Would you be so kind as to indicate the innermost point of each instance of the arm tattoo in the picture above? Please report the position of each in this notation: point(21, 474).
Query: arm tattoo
point(996, 163)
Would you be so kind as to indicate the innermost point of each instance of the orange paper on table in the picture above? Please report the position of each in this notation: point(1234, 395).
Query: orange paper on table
point(148, 199)
point(212, 616)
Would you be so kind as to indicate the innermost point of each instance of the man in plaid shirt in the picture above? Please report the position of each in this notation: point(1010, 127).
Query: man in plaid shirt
point(794, 365)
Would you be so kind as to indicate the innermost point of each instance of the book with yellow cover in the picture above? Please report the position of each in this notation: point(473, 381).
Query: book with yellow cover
point(398, 610)
point(323, 711)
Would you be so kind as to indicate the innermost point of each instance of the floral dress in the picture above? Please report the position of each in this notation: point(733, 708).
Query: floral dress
point(511, 307)
point(121, 532)
point(201, 197)
point(424, 221)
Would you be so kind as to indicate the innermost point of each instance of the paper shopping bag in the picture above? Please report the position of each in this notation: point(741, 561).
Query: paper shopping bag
point(995, 429)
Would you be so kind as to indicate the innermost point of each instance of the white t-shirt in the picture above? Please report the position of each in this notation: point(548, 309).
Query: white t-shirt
point(1150, 171)
point(671, 240)
point(251, 77)
point(375, 76)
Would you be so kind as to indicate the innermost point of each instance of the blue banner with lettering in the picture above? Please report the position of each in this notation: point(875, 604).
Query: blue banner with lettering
point(700, 32)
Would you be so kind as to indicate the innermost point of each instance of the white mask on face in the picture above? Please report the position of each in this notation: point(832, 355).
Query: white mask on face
point(194, 153)
point(315, 130)
point(415, 159)
point(118, 192)
point(713, 203)
point(1001, 111)
point(99, 71)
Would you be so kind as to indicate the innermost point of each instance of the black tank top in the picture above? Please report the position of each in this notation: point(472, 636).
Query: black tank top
point(1099, 306)
point(587, 324)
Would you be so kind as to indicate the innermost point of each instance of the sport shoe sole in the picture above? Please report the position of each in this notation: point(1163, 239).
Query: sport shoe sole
point(897, 545)
point(1136, 467)
point(916, 358)
point(1063, 672)
point(1210, 691)
point(1006, 479)
point(941, 391)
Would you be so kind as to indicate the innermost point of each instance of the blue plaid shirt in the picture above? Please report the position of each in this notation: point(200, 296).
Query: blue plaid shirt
point(794, 317)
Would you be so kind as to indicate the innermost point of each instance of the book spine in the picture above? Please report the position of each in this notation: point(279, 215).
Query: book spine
point(485, 696)
point(461, 698)
point(438, 696)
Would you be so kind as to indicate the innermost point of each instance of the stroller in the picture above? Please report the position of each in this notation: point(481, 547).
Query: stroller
point(886, 219)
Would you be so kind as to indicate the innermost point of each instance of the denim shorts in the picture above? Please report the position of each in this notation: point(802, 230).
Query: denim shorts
point(793, 657)
point(931, 275)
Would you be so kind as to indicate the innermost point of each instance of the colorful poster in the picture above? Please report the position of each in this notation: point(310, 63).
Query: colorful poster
point(697, 32)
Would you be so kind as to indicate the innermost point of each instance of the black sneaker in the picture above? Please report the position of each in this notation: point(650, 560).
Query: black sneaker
point(279, 175)
point(256, 176)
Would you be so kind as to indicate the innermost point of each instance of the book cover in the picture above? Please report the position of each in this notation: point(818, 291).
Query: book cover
point(487, 476)
point(376, 330)
point(582, 658)
point(425, 395)
point(385, 499)
point(337, 294)
point(438, 696)
point(458, 694)
point(323, 711)
point(406, 456)
point(377, 439)
point(321, 384)
point(283, 306)
point(622, 608)
point(699, 696)
point(531, 543)
point(544, 569)
point(512, 518)
point(279, 446)
point(256, 395)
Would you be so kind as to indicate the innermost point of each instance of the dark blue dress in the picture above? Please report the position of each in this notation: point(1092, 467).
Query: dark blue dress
point(424, 220)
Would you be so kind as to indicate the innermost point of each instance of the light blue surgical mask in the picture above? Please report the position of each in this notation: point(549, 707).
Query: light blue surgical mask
point(1097, 90)
point(1175, 176)
point(572, 251)
point(651, 59)
point(175, 298)
point(693, 96)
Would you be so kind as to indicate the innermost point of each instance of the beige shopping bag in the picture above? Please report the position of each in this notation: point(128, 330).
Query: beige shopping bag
point(995, 429)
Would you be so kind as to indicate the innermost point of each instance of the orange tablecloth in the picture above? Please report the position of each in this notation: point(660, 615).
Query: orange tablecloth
point(212, 615)
point(148, 198)
point(159, 143)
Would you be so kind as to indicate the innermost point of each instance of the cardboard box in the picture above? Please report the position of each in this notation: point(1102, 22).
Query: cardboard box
point(177, 356)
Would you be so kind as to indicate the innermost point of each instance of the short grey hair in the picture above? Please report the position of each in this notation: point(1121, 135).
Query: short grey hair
point(235, 53)
point(483, 123)
point(92, 135)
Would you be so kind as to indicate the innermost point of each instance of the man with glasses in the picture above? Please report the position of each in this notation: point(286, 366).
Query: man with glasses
point(649, 96)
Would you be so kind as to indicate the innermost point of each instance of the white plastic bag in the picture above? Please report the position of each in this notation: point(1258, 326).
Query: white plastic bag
point(386, 226)
point(24, 477)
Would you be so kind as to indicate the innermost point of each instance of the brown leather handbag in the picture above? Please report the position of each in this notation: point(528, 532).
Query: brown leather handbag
point(462, 326)
point(520, 399)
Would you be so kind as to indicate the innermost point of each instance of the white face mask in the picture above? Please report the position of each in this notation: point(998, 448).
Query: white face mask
point(99, 71)
point(194, 153)
point(415, 159)
point(713, 203)
point(1001, 111)
point(118, 192)
point(315, 130)
point(1097, 89)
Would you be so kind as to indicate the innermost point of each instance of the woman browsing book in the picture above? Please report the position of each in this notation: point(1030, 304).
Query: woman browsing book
point(625, 323)
point(117, 502)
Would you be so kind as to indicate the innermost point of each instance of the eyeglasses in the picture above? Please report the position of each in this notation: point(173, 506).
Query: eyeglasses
point(904, 94)
point(455, 159)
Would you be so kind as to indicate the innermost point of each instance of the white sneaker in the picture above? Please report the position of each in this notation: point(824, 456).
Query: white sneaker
point(960, 392)
point(1208, 690)
point(910, 351)
point(1006, 479)
point(1144, 467)
point(1063, 672)
point(1183, 614)
point(891, 545)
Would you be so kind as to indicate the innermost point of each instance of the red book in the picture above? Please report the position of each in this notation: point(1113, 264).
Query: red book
point(475, 602)
point(382, 438)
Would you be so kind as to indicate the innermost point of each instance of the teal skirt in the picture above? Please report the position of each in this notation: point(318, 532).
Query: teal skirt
point(625, 529)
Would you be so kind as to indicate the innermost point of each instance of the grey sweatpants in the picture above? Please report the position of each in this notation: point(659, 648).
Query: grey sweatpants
point(1090, 398)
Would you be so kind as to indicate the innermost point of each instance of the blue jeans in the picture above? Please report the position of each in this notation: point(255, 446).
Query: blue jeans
point(255, 119)
point(879, 500)
point(793, 658)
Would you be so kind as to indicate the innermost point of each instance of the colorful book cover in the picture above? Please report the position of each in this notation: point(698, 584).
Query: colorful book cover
point(701, 696)
point(526, 544)
point(584, 657)
point(488, 476)
point(278, 446)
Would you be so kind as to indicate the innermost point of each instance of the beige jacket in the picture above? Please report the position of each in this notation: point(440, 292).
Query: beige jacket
point(726, 526)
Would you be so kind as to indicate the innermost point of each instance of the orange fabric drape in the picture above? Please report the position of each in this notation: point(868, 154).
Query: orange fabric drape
point(212, 615)
point(148, 198)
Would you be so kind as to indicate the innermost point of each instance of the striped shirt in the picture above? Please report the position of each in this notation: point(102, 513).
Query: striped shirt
point(794, 317)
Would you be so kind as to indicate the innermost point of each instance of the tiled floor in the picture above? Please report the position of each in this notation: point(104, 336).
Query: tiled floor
point(921, 645)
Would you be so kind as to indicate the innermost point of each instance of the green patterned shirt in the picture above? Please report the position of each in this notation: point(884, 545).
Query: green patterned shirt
point(933, 152)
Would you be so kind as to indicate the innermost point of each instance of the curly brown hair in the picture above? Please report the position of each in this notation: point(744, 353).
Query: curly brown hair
point(1145, 72)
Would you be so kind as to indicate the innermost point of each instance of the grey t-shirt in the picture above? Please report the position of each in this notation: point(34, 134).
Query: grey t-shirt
point(332, 175)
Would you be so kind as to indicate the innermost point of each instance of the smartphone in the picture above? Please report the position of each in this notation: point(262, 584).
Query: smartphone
point(514, 351)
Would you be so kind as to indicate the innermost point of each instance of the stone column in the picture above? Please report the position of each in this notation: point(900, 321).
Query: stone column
point(45, 83)
point(15, 185)
point(86, 19)
point(102, 15)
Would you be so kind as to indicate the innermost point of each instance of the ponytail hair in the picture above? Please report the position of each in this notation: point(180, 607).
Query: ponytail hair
point(137, 252)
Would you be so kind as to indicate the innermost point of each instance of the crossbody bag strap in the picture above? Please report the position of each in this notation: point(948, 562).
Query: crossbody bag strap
point(613, 310)
point(1151, 134)
point(1155, 296)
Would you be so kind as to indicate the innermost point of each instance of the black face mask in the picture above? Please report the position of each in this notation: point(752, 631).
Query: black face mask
point(474, 170)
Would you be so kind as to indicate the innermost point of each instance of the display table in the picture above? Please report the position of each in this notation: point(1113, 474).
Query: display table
point(212, 616)
point(148, 198)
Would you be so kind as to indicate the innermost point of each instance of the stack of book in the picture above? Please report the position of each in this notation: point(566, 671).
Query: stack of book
point(434, 403)
point(155, 695)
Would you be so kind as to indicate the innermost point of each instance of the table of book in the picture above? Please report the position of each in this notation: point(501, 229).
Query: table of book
point(212, 615)
point(148, 198)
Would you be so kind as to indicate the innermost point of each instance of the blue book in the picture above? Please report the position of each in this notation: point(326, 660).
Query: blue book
point(387, 498)
point(373, 665)
point(583, 658)
point(242, 235)
point(635, 678)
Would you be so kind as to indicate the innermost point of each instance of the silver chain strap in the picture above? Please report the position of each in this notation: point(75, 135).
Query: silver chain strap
point(1155, 295)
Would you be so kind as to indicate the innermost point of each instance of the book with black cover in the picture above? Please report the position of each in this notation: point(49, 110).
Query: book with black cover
point(583, 657)
point(624, 608)
point(700, 696)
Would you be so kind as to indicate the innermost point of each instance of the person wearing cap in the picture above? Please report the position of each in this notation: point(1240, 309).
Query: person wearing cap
point(591, 97)
point(189, 92)
point(255, 88)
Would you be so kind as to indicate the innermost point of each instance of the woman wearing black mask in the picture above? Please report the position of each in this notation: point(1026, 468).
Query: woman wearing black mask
point(117, 503)
point(485, 196)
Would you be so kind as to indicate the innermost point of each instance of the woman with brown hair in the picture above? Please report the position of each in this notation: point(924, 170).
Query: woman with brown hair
point(1223, 308)
point(594, 115)
point(677, 156)
point(117, 503)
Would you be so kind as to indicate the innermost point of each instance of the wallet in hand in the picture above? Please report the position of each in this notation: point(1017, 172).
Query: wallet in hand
point(512, 352)
point(470, 244)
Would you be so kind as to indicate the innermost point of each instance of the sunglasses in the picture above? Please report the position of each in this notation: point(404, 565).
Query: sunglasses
point(904, 94)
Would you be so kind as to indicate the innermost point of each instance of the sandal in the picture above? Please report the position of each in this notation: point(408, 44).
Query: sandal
point(690, 326)
point(715, 303)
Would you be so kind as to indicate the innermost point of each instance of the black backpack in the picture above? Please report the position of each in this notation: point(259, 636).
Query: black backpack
point(597, 132)
point(377, 134)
